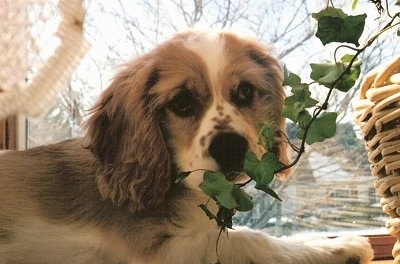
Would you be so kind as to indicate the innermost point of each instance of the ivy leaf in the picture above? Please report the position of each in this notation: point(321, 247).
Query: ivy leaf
point(349, 79)
point(244, 200)
point(329, 11)
point(261, 171)
point(226, 193)
point(267, 135)
point(328, 73)
point(300, 98)
point(292, 110)
point(322, 128)
point(290, 79)
point(296, 104)
point(302, 95)
point(336, 26)
point(304, 119)
point(216, 186)
point(258, 170)
point(269, 191)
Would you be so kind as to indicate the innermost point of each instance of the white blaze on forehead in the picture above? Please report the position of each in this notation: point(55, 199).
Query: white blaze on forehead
point(210, 48)
point(220, 113)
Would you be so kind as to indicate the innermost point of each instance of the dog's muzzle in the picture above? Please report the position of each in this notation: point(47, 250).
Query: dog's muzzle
point(228, 150)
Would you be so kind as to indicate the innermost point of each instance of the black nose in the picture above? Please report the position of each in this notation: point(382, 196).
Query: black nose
point(228, 150)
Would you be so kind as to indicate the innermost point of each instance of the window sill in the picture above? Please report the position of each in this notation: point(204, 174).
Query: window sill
point(382, 246)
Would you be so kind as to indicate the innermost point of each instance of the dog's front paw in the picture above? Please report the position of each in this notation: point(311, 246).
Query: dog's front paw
point(357, 250)
point(349, 249)
point(244, 246)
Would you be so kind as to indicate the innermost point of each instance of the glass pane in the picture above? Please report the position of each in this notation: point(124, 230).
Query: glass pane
point(331, 188)
point(60, 123)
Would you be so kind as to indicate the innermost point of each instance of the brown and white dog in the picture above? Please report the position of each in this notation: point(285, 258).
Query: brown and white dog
point(192, 103)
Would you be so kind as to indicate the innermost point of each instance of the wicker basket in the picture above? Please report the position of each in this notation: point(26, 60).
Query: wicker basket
point(378, 115)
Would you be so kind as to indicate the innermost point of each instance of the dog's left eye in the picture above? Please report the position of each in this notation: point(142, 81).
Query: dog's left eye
point(244, 94)
point(183, 104)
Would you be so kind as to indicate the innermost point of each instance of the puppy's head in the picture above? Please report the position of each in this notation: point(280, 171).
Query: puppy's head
point(193, 103)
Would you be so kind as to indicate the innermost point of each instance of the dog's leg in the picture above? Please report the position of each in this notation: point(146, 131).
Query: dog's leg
point(247, 246)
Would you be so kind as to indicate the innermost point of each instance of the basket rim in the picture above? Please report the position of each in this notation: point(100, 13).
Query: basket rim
point(378, 76)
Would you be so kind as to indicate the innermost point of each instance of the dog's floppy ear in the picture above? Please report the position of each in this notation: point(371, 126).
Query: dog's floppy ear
point(282, 147)
point(124, 135)
point(274, 83)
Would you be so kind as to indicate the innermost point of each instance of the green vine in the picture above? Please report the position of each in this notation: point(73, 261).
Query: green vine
point(314, 122)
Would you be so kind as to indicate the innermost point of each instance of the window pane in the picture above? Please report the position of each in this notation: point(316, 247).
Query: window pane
point(60, 123)
point(331, 189)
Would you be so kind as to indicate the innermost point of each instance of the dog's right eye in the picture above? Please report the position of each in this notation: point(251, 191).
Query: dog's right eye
point(244, 94)
point(183, 104)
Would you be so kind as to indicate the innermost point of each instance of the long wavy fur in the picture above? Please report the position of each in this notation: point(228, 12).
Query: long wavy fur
point(126, 138)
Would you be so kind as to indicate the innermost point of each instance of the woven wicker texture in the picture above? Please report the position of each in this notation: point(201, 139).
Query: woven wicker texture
point(378, 115)
point(31, 72)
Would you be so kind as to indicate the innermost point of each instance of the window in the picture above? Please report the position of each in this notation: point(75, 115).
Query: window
point(332, 188)
point(331, 191)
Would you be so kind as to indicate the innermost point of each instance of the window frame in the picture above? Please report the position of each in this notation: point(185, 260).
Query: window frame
point(14, 133)
point(8, 133)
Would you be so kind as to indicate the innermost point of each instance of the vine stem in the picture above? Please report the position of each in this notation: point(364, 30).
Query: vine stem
point(325, 104)
point(300, 150)
point(318, 110)
point(217, 243)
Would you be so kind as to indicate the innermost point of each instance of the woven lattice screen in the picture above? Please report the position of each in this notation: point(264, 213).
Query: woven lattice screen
point(41, 44)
